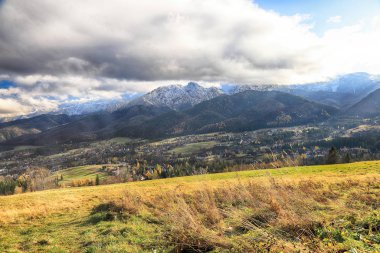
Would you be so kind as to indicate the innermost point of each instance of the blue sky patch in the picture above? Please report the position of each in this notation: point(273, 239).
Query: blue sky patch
point(5, 84)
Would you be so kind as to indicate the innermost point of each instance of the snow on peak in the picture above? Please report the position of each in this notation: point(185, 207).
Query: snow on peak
point(177, 96)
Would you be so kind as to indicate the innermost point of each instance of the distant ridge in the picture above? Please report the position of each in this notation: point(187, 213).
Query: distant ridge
point(34, 125)
point(244, 111)
point(368, 106)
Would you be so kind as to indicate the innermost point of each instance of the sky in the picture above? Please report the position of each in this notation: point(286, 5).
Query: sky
point(327, 14)
point(55, 51)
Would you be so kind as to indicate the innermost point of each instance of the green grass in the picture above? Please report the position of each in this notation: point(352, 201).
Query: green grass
point(90, 172)
point(335, 206)
point(81, 172)
point(116, 140)
point(194, 147)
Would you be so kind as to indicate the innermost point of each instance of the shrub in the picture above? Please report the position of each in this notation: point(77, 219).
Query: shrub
point(82, 182)
point(7, 186)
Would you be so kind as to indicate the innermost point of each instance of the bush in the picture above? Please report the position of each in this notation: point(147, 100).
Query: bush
point(7, 186)
point(82, 182)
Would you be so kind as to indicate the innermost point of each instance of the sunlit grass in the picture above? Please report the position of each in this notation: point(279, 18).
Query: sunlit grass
point(331, 204)
point(81, 172)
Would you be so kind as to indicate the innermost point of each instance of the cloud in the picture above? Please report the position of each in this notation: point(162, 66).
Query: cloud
point(91, 49)
point(351, 49)
point(10, 107)
point(334, 19)
point(21, 104)
point(228, 40)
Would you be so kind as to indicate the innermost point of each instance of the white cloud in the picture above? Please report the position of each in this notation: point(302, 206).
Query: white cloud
point(11, 107)
point(351, 49)
point(334, 19)
point(24, 105)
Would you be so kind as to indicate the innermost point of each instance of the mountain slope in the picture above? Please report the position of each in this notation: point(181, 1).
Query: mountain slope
point(92, 106)
point(14, 129)
point(92, 127)
point(368, 106)
point(177, 97)
point(341, 92)
point(244, 111)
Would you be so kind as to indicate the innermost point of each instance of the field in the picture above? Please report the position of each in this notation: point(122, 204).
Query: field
point(81, 172)
point(332, 208)
point(117, 140)
point(194, 147)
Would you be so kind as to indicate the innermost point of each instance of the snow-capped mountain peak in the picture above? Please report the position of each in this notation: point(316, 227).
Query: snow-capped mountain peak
point(192, 86)
point(177, 96)
point(241, 88)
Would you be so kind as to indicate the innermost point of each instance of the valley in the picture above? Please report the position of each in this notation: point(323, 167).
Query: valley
point(125, 159)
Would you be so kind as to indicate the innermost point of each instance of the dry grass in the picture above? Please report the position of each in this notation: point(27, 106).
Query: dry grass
point(327, 211)
point(279, 215)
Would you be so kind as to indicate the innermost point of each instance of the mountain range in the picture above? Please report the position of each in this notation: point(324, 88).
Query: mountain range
point(175, 110)
point(243, 111)
point(342, 92)
point(238, 112)
point(177, 97)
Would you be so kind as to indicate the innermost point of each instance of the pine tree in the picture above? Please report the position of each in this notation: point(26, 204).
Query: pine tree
point(7, 186)
point(97, 180)
point(332, 157)
point(347, 158)
point(23, 182)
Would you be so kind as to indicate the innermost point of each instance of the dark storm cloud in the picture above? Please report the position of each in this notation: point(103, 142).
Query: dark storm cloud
point(144, 41)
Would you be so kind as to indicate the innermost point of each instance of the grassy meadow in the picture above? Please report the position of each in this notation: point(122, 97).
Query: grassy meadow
point(332, 208)
point(80, 172)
